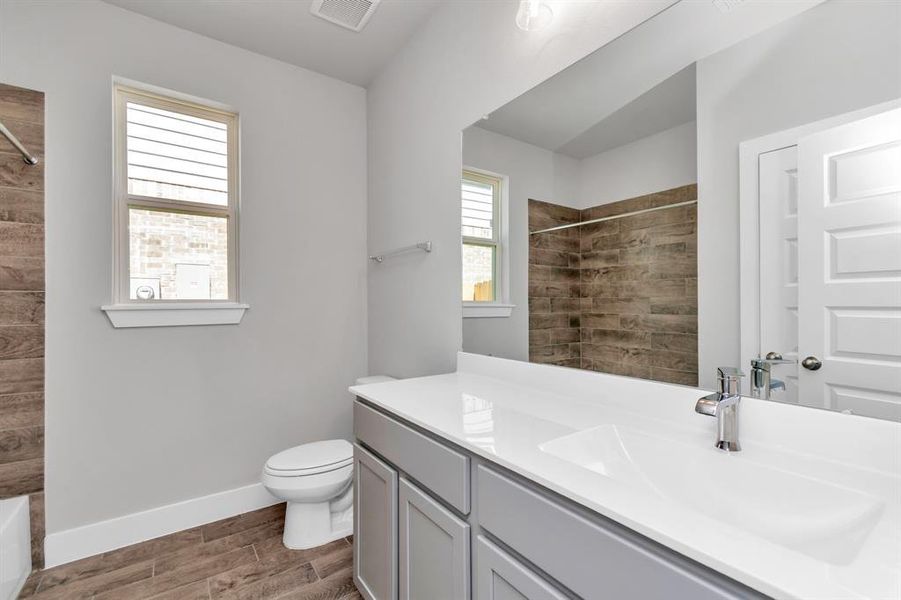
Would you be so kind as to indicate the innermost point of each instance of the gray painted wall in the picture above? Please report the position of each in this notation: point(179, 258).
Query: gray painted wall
point(468, 59)
point(138, 418)
point(840, 56)
point(662, 161)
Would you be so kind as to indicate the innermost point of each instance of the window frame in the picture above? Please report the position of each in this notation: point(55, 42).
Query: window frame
point(179, 310)
point(500, 306)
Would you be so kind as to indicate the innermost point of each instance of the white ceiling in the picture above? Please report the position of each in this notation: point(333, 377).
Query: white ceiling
point(592, 106)
point(671, 103)
point(285, 29)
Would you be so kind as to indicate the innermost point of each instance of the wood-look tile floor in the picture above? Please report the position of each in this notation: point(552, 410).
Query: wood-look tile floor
point(240, 558)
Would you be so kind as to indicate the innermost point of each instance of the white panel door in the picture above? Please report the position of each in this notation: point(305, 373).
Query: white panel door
point(778, 202)
point(850, 249)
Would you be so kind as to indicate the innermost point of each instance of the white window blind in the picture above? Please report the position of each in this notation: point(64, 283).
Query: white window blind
point(479, 205)
point(176, 156)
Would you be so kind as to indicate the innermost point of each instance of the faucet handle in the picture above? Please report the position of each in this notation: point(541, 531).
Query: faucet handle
point(729, 380)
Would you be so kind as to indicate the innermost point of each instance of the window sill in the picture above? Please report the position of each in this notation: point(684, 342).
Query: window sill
point(175, 314)
point(479, 310)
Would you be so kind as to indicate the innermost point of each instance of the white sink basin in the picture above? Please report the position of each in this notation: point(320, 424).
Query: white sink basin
point(819, 519)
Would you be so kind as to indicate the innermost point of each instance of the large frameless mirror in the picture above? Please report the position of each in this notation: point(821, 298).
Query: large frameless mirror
point(721, 186)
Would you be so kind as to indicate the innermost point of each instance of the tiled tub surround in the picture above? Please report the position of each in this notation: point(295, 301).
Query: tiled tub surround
point(634, 301)
point(22, 307)
point(240, 557)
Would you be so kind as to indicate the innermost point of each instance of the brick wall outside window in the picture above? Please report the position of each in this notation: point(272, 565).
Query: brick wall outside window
point(161, 240)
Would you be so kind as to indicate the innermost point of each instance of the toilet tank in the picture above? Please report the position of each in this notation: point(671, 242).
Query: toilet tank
point(374, 379)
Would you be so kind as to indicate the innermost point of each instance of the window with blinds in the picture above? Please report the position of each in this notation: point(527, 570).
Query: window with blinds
point(176, 199)
point(480, 219)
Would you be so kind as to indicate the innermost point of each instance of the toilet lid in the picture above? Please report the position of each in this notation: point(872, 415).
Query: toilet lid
point(312, 458)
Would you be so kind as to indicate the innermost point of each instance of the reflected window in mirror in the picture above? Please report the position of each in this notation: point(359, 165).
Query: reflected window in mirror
point(482, 237)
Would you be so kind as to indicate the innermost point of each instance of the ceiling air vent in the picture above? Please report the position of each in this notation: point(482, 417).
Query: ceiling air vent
point(352, 14)
point(726, 6)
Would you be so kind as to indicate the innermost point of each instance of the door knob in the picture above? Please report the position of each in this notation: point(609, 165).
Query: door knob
point(811, 363)
point(773, 358)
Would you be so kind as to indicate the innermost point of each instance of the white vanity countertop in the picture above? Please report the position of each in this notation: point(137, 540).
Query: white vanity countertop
point(810, 508)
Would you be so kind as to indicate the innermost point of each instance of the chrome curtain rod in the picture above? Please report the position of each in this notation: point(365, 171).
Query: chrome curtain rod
point(26, 155)
point(614, 217)
point(424, 246)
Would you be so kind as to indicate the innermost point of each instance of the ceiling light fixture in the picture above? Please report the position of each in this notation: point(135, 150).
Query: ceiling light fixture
point(533, 15)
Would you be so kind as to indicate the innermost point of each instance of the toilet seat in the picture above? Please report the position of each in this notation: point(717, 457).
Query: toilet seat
point(310, 459)
point(307, 472)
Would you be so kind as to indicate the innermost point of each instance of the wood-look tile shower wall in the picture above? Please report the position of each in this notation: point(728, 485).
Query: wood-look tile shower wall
point(22, 307)
point(628, 287)
point(555, 305)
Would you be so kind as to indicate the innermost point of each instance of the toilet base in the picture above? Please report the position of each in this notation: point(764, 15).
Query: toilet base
point(308, 525)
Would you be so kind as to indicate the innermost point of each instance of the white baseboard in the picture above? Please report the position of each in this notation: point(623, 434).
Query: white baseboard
point(89, 540)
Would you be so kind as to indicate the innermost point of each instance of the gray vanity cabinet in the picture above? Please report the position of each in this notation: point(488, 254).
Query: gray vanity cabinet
point(435, 522)
point(375, 527)
point(433, 548)
point(499, 576)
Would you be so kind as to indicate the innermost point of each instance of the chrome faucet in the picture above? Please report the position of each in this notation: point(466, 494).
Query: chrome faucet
point(724, 406)
point(762, 382)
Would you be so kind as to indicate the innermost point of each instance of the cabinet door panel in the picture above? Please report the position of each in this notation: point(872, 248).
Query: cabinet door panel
point(434, 549)
point(499, 576)
point(375, 527)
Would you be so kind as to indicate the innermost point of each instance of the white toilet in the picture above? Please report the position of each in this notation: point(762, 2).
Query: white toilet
point(315, 480)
